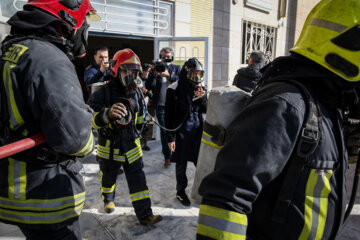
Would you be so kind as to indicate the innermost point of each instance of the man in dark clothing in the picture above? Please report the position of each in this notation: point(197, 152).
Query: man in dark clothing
point(247, 77)
point(41, 189)
point(158, 83)
point(185, 103)
point(290, 132)
point(99, 71)
point(119, 113)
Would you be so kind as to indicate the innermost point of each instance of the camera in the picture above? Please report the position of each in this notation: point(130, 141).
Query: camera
point(160, 66)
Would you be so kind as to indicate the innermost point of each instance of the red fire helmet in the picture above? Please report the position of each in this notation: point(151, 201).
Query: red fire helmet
point(126, 59)
point(72, 12)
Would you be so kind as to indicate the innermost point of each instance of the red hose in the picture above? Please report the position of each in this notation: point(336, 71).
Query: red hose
point(22, 145)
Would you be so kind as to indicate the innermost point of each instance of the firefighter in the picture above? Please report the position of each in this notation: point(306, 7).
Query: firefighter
point(41, 189)
point(119, 113)
point(185, 103)
point(276, 178)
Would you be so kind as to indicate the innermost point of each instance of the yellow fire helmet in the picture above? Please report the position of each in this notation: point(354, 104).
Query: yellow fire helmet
point(331, 37)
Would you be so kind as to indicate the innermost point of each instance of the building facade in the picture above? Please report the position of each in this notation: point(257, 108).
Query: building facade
point(221, 33)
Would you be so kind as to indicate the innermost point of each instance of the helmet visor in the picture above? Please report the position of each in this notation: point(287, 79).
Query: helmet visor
point(196, 76)
point(128, 76)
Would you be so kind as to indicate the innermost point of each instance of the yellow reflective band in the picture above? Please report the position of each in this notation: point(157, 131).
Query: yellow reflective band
point(11, 178)
point(16, 179)
point(43, 205)
point(93, 123)
point(15, 118)
point(324, 205)
point(139, 195)
point(140, 119)
point(316, 201)
point(22, 180)
point(223, 214)
point(88, 147)
point(218, 234)
point(108, 190)
point(206, 138)
point(134, 158)
point(107, 149)
point(41, 217)
point(14, 53)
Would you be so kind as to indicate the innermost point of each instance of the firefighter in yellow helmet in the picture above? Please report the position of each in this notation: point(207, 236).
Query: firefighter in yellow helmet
point(280, 173)
point(119, 116)
point(41, 189)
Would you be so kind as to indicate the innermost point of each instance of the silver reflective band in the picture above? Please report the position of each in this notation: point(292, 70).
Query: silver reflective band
point(222, 225)
point(327, 24)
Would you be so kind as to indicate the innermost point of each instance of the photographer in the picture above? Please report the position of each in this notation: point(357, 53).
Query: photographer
point(158, 82)
point(119, 112)
point(99, 71)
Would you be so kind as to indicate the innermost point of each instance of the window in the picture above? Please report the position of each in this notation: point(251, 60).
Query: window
point(140, 17)
point(258, 37)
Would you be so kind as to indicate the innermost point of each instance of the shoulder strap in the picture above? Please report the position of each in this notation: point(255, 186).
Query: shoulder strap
point(306, 145)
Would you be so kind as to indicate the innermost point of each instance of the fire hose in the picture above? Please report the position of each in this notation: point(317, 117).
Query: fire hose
point(22, 145)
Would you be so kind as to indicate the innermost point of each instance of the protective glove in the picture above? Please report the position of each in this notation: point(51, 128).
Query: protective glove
point(117, 111)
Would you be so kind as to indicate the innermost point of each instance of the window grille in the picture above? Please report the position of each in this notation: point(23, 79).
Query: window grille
point(260, 37)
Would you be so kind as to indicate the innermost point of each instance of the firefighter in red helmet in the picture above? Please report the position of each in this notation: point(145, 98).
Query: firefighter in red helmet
point(41, 189)
point(119, 116)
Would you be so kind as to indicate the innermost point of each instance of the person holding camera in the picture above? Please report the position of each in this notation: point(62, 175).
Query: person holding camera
point(119, 114)
point(161, 77)
point(99, 71)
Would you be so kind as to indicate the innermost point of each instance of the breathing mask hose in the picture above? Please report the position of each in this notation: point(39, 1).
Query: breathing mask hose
point(354, 189)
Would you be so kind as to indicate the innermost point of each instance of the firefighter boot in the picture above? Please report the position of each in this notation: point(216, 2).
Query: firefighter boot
point(150, 219)
point(109, 207)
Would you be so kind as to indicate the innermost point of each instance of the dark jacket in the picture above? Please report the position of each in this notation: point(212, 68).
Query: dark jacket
point(247, 77)
point(44, 97)
point(94, 75)
point(260, 141)
point(154, 81)
point(116, 141)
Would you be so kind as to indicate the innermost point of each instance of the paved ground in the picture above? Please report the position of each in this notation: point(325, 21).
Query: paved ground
point(179, 222)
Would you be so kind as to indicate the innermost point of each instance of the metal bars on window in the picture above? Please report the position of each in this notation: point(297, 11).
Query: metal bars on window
point(139, 17)
point(260, 37)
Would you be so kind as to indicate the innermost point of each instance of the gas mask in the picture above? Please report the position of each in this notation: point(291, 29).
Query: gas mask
point(127, 77)
point(195, 78)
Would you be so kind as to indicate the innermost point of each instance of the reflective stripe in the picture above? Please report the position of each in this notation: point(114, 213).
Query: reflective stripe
point(93, 123)
point(105, 189)
point(15, 118)
point(16, 179)
point(138, 155)
point(140, 119)
point(327, 24)
point(107, 149)
point(41, 217)
point(87, 148)
point(139, 195)
point(206, 138)
point(219, 223)
point(316, 203)
point(43, 204)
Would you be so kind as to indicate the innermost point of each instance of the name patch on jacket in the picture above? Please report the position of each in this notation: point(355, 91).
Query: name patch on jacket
point(14, 53)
